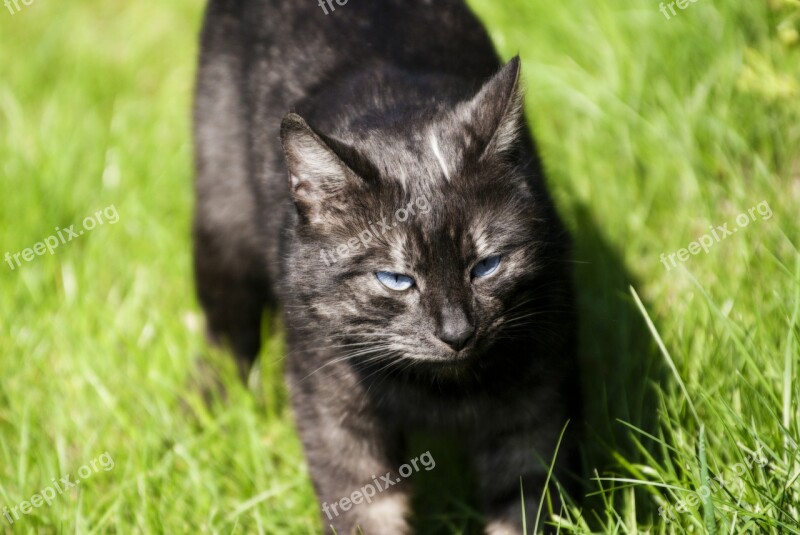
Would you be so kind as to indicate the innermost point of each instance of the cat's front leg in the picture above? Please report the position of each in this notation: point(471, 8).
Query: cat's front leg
point(385, 514)
point(358, 488)
point(353, 459)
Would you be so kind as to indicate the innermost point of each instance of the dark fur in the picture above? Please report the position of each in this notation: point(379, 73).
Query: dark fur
point(370, 84)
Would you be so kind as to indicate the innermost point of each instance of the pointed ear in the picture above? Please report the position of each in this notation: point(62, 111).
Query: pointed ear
point(494, 115)
point(318, 178)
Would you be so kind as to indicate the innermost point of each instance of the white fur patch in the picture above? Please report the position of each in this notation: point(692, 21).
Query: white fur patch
point(403, 179)
point(482, 245)
point(398, 244)
point(389, 512)
point(501, 527)
point(438, 154)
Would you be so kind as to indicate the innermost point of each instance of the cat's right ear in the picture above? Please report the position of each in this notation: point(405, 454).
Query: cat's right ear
point(318, 178)
point(495, 114)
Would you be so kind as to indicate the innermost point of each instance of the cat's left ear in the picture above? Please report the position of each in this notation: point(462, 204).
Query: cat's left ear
point(319, 180)
point(495, 114)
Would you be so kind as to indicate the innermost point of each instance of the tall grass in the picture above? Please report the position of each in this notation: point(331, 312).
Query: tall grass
point(652, 130)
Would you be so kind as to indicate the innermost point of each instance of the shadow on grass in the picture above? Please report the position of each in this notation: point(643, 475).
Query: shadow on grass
point(619, 360)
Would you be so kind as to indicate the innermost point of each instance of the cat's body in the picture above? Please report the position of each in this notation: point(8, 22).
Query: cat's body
point(401, 108)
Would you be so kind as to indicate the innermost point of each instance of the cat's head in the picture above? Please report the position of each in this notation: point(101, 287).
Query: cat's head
point(428, 238)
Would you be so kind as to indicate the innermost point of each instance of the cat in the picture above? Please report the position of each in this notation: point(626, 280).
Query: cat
point(312, 131)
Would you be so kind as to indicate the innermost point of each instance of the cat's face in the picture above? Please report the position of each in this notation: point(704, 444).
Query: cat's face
point(426, 248)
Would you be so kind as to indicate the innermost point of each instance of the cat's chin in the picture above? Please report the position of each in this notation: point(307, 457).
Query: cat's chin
point(451, 360)
point(455, 369)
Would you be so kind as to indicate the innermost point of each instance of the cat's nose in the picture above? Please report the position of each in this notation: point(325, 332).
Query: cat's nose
point(455, 328)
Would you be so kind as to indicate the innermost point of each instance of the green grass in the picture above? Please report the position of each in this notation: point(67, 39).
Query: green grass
point(652, 130)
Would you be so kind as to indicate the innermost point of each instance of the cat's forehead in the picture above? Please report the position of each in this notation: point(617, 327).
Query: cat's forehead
point(431, 242)
point(418, 155)
point(433, 224)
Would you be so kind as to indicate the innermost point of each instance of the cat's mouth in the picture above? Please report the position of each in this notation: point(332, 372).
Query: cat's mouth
point(449, 366)
point(446, 356)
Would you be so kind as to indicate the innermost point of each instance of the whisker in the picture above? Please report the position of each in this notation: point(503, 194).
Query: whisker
point(356, 354)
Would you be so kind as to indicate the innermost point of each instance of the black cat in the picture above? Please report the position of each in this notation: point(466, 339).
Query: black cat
point(399, 217)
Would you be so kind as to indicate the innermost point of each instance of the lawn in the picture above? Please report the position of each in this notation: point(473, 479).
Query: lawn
point(673, 149)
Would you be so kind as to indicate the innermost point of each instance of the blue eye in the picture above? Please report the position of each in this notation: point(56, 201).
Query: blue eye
point(486, 267)
point(395, 281)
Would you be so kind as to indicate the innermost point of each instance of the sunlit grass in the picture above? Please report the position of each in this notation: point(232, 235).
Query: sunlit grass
point(652, 131)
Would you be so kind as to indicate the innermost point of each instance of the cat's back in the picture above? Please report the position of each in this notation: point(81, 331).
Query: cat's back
point(322, 35)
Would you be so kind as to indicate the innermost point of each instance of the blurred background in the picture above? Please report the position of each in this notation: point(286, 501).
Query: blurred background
point(656, 124)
